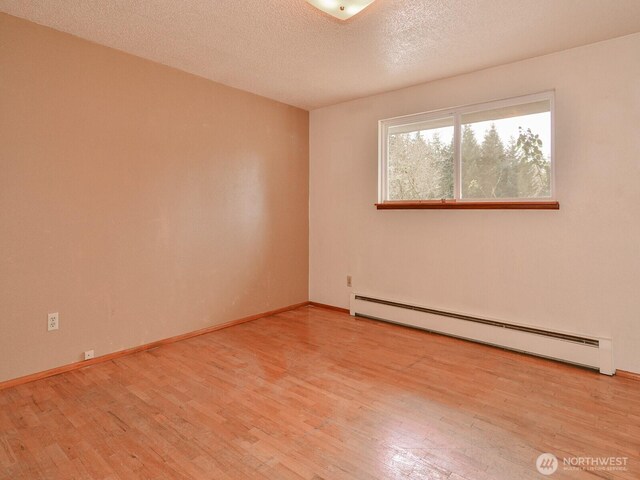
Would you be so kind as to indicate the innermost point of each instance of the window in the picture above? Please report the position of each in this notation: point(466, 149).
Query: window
point(493, 155)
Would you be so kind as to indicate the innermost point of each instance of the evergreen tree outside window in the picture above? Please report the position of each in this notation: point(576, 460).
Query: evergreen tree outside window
point(420, 163)
point(498, 151)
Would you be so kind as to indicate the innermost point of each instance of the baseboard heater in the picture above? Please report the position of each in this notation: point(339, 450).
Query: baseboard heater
point(586, 351)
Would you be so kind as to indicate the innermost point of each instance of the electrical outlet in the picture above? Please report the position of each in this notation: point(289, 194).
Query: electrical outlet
point(52, 321)
point(348, 280)
point(88, 355)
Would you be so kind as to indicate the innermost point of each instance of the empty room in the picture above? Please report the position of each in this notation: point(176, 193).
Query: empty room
point(319, 239)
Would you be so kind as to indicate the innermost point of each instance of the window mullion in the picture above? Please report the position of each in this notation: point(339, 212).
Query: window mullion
point(457, 157)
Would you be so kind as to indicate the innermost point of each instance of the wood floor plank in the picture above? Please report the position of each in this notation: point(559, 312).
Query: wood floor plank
point(316, 394)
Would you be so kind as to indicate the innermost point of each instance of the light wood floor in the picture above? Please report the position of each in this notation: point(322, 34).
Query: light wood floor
point(316, 394)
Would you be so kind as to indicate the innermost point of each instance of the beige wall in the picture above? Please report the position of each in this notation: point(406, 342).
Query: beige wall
point(576, 269)
point(137, 201)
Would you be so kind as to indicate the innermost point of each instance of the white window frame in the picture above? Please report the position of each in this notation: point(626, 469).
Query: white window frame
point(456, 113)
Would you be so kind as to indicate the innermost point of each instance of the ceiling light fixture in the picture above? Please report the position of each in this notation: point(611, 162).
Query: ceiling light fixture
point(341, 9)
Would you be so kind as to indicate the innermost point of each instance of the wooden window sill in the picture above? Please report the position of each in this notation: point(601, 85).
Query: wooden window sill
point(453, 205)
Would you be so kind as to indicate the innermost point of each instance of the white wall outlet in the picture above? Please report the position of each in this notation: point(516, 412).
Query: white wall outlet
point(348, 280)
point(88, 355)
point(52, 321)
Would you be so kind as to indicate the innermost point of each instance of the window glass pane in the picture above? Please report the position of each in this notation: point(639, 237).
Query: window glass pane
point(506, 152)
point(420, 160)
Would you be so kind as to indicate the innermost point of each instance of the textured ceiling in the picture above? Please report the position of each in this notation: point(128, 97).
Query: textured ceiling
point(290, 51)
